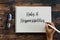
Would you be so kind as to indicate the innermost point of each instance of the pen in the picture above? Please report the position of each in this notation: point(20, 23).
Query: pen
point(9, 20)
point(8, 25)
point(54, 28)
point(9, 17)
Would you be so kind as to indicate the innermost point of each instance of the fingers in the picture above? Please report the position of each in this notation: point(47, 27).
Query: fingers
point(46, 27)
point(50, 23)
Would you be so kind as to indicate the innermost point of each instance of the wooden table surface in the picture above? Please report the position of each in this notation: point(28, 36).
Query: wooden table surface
point(9, 34)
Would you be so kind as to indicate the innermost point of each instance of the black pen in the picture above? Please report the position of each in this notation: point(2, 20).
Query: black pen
point(9, 20)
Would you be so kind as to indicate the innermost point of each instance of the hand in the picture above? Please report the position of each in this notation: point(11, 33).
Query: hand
point(49, 31)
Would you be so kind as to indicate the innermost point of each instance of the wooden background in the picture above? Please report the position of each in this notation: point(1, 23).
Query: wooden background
point(8, 6)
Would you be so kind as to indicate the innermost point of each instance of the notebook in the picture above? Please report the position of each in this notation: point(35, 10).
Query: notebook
point(31, 19)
